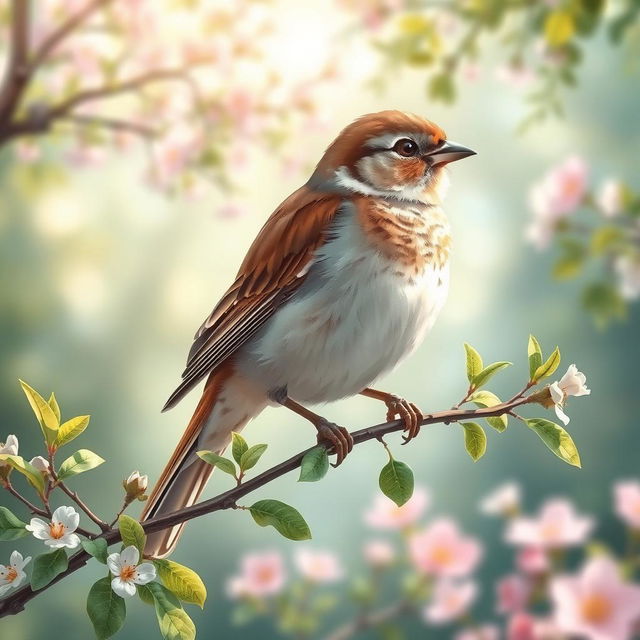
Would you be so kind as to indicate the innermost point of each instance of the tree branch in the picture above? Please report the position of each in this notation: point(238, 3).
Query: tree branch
point(114, 124)
point(228, 500)
point(369, 621)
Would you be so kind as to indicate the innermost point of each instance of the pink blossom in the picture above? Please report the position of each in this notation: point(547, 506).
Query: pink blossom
point(557, 525)
point(27, 151)
point(483, 632)
point(521, 626)
point(318, 566)
point(262, 574)
point(513, 593)
point(502, 501)
point(610, 197)
point(385, 514)
point(379, 553)
point(442, 550)
point(470, 71)
point(627, 502)
point(517, 76)
point(596, 604)
point(532, 560)
point(86, 155)
point(450, 601)
point(231, 210)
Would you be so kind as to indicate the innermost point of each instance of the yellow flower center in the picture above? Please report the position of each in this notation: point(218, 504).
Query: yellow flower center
point(56, 529)
point(550, 530)
point(127, 572)
point(12, 574)
point(442, 556)
point(265, 574)
point(596, 608)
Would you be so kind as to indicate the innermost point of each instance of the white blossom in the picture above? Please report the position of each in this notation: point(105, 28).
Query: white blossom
point(12, 575)
point(628, 271)
point(128, 573)
point(609, 198)
point(572, 383)
point(502, 501)
point(40, 463)
point(60, 531)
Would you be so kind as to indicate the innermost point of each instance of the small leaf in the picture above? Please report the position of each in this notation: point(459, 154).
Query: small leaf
point(534, 352)
point(55, 407)
point(484, 398)
point(559, 27)
point(396, 481)
point(49, 423)
point(315, 464)
point(71, 429)
point(106, 609)
point(11, 527)
point(174, 623)
point(251, 456)
point(475, 440)
point(557, 439)
point(81, 461)
point(546, 369)
point(488, 372)
point(46, 567)
point(96, 548)
point(182, 581)
point(26, 469)
point(238, 446)
point(282, 517)
point(224, 464)
point(145, 595)
point(474, 362)
point(132, 533)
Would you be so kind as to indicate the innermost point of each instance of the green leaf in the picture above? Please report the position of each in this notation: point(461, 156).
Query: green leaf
point(475, 440)
point(251, 456)
point(96, 548)
point(534, 352)
point(484, 398)
point(547, 369)
point(238, 446)
point(441, 87)
point(46, 416)
point(174, 623)
point(559, 27)
point(396, 481)
point(557, 439)
point(81, 461)
point(224, 464)
point(282, 517)
point(315, 464)
point(604, 302)
point(145, 595)
point(46, 567)
point(33, 476)
point(71, 429)
point(11, 527)
point(55, 407)
point(488, 372)
point(182, 581)
point(132, 533)
point(106, 609)
point(474, 362)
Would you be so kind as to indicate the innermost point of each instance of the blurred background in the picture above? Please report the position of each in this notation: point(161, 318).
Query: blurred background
point(105, 278)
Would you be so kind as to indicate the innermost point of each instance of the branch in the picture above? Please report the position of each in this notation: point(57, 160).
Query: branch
point(228, 500)
point(113, 124)
point(369, 621)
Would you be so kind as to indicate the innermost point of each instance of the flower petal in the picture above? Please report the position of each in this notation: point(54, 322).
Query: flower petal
point(123, 588)
point(562, 415)
point(71, 540)
point(130, 556)
point(39, 528)
point(557, 395)
point(145, 572)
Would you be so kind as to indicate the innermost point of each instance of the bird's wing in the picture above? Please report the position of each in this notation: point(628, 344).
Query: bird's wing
point(273, 269)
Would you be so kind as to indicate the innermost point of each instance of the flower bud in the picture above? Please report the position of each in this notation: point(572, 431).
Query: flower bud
point(543, 397)
point(135, 486)
point(41, 464)
point(10, 447)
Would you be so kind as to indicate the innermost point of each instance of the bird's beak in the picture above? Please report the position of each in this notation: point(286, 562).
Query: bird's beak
point(449, 152)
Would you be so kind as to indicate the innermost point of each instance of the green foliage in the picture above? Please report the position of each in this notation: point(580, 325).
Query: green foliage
point(132, 533)
point(81, 461)
point(559, 27)
point(46, 567)
point(53, 403)
point(475, 440)
point(224, 464)
point(238, 446)
point(282, 517)
point(145, 594)
point(11, 527)
point(548, 367)
point(557, 440)
point(46, 416)
point(251, 456)
point(96, 548)
point(173, 621)
point(71, 429)
point(33, 476)
point(603, 301)
point(474, 362)
point(396, 481)
point(534, 353)
point(183, 582)
point(315, 465)
point(488, 372)
point(484, 398)
point(106, 609)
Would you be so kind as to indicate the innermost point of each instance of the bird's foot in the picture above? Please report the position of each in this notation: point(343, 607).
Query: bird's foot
point(408, 412)
point(336, 438)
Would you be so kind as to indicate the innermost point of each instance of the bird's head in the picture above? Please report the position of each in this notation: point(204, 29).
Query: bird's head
point(392, 154)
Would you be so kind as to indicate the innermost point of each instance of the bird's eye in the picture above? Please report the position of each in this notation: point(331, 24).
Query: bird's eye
point(406, 147)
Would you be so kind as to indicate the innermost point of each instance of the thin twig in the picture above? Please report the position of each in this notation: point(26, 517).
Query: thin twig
point(76, 498)
point(32, 507)
point(228, 500)
point(112, 123)
point(369, 621)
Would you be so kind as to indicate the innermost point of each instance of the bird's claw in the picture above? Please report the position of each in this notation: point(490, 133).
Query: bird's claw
point(336, 438)
point(408, 412)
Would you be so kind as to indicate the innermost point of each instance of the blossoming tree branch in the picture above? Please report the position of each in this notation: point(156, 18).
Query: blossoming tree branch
point(168, 584)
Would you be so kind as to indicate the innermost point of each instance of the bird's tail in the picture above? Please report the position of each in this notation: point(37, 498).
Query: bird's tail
point(226, 405)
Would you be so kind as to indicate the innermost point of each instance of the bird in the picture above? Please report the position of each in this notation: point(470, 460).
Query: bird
point(340, 285)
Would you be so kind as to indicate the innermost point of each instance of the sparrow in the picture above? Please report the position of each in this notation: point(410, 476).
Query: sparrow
point(341, 284)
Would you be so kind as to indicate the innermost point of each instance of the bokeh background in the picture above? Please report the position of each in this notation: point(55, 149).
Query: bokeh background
point(104, 280)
